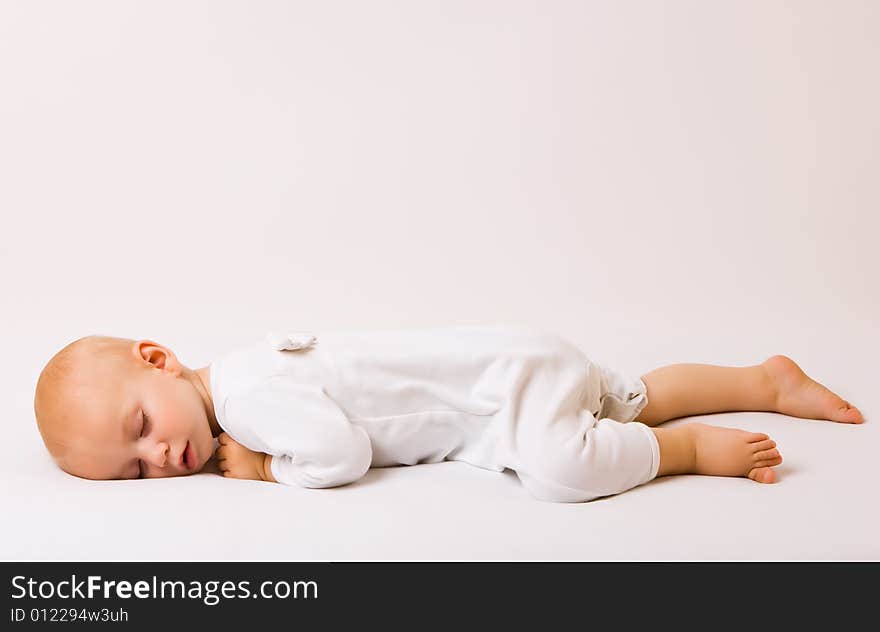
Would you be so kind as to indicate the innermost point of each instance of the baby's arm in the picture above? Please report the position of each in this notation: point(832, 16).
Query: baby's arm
point(313, 442)
point(236, 461)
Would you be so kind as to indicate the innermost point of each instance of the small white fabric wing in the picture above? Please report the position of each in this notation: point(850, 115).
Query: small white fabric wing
point(290, 341)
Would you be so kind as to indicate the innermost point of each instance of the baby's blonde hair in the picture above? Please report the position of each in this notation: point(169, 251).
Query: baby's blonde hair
point(62, 379)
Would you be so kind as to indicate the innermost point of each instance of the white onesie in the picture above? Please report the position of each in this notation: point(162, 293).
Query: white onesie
point(330, 405)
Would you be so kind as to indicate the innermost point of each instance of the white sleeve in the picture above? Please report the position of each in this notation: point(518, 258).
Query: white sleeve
point(312, 442)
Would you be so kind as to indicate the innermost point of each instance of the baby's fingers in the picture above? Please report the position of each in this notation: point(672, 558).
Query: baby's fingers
point(223, 438)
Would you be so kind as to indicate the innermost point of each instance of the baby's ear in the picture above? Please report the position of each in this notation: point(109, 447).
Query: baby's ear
point(158, 355)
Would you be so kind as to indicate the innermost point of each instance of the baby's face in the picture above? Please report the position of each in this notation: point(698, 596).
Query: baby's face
point(144, 421)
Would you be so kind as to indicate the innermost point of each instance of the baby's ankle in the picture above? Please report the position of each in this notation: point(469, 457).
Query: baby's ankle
point(678, 448)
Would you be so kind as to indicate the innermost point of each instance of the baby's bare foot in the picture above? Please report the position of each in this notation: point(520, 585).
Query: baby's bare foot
point(800, 396)
point(732, 452)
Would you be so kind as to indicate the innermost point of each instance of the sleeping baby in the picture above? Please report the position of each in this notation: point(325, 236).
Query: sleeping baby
point(318, 409)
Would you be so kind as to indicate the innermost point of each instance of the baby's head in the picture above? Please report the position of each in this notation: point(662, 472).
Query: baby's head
point(117, 408)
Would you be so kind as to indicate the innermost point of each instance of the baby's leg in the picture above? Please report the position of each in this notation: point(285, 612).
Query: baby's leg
point(777, 385)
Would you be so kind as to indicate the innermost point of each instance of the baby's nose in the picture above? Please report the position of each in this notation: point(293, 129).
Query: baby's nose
point(160, 454)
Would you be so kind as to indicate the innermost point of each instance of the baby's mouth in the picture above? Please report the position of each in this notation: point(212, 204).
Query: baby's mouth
point(190, 457)
point(185, 457)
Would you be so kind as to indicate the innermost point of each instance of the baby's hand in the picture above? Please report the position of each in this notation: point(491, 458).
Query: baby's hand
point(236, 461)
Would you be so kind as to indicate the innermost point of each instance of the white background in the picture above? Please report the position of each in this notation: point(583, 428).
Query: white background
point(659, 182)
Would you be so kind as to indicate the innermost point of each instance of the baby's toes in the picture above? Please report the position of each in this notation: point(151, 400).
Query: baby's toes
point(847, 413)
point(766, 454)
point(777, 460)
point(762, 475)
point(761, 446)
